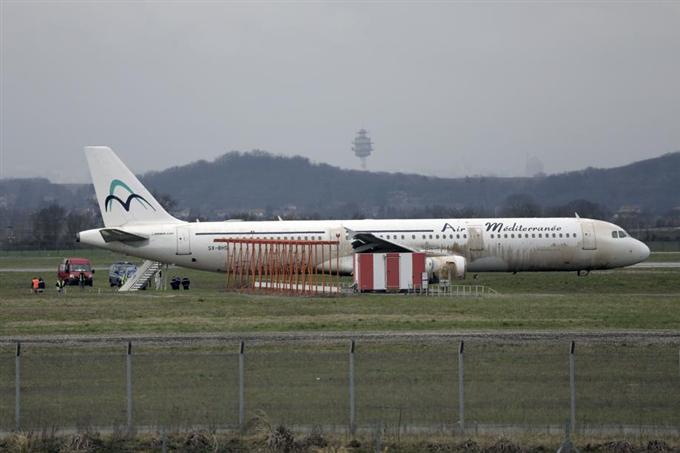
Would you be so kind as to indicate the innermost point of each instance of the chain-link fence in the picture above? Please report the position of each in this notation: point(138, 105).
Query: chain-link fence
point(481, 387)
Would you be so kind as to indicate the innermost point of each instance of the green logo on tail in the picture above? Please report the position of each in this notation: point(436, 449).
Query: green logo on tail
point(125, 204)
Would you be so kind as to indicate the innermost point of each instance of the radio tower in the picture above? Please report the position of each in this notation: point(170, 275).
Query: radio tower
point(362, 146)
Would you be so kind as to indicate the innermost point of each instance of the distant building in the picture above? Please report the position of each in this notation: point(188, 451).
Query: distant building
point(362, 146)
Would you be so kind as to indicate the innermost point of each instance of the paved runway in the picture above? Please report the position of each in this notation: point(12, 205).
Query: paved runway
point(656, 265)
point(41, 269)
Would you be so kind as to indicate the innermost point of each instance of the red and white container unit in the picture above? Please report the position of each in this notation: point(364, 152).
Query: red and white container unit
point(389, 271)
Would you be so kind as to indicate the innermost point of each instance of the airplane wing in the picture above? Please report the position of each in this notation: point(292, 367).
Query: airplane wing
point(114, 234)
point(370, 243)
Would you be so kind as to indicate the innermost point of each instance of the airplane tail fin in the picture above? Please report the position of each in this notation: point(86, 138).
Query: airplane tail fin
point(122, 198)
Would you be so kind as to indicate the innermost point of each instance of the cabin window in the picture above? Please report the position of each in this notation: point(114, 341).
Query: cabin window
point(413, 236)
point(423, 236)
point(491, 235)
point(560, 234)
point(512, 235)
point(533, 235)
point(540, 235)
point(458, 236)
point(430, 236)
point(437, 236)
point(402, 236)
point(554, 235)
point(465, 236)
point(505, 235)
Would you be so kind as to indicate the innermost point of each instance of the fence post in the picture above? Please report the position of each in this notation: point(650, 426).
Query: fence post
point(352, 408)
point(241, 385)
point(461, 387)
point(129, 386)
point(572, 384)
point(17, 390)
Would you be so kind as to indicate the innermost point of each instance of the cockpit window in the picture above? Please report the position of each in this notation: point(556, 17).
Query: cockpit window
point(622, 234)
point(615, 234)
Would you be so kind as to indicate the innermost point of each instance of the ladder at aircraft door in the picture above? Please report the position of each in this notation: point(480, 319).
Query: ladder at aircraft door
point(143, 275)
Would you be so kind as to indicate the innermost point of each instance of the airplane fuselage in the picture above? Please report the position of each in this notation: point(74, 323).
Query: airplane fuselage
point(488, 245)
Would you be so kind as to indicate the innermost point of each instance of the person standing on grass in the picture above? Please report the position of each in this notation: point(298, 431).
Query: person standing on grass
point(158, 280)
point(81, 280)
point(35, 283)
point(60, 286)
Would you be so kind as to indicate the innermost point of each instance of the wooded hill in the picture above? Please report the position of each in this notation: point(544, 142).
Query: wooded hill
point(269, 185)
point(245, 181)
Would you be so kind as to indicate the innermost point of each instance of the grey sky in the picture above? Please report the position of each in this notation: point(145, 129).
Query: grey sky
point(445, 88)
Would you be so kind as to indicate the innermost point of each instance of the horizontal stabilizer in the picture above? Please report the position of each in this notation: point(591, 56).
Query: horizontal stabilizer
point(114, 234)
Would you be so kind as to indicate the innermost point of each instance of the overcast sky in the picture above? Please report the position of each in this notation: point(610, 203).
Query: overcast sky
point(446, 88)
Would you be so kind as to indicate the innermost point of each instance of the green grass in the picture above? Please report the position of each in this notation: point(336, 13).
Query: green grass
point(211, 311)
point(664, 257)
point(396, 385)
point(299, 384)
point(621, 299)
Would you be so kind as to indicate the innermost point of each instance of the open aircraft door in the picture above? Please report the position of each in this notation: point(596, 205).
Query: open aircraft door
point(476, 238)
point(183, 241)
point(588, 231)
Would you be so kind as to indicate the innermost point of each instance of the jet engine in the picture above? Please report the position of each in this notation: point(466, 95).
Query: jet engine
point(446, 267)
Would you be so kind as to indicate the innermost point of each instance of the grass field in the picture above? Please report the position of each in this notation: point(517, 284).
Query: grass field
point(620, 299)
point(524, 383)
point(398, 385)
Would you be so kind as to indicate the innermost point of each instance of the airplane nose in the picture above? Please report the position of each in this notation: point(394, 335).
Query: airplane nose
point(644, 251)
point(639, 251)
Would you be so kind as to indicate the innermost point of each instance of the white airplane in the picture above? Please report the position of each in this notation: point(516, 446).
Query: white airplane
point(136, 224)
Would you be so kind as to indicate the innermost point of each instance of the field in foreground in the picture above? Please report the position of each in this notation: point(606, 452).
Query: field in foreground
point(630, 385)
point(515, 386)
point(612, 300)
point(279, 439)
